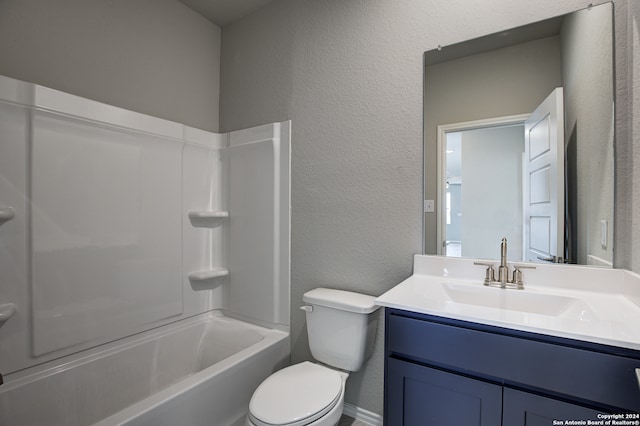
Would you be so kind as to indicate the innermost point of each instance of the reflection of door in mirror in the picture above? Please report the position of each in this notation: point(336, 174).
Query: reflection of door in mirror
point(544, 183)
point(505, 176)
point(481, 192)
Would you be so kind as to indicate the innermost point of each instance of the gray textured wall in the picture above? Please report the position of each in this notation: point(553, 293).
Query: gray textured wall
point(634, 121)
point(627, 219)
point(157, 57)
point(349, 74)
point(586, 76)
point(627, 146)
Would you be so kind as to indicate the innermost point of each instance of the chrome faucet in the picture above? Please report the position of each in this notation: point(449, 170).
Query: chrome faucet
point(503, 271)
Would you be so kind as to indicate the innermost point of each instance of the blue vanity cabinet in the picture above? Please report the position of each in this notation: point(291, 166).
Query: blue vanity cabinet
point(420, 395)
point(524, 408)
point(440, 371)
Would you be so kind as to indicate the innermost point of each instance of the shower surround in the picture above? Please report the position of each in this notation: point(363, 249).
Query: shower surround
point(118, 232)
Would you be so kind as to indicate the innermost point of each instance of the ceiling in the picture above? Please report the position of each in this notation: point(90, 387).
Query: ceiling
point(223, 12)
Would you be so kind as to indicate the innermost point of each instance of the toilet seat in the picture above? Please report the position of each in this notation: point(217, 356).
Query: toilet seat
point(296, 395)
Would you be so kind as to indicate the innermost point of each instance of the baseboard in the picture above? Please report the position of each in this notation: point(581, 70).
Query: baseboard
point(362, 415)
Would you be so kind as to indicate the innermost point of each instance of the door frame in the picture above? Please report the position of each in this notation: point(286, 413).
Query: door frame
point(443, 129)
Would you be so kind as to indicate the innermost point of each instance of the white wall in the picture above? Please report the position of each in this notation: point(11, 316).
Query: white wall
point(349, 75)
point(157, 57)
point(492, 191)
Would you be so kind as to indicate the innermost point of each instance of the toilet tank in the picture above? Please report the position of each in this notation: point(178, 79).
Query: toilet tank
point(341, 326)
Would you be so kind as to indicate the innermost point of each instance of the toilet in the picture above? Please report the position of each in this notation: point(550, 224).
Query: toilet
point(341, 327)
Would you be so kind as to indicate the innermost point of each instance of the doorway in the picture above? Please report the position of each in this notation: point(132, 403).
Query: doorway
point(481, 187)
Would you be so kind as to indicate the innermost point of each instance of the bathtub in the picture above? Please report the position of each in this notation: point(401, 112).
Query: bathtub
point(199, 371)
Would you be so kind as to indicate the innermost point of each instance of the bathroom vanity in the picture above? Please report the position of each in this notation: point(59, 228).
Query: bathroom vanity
point(564, 348)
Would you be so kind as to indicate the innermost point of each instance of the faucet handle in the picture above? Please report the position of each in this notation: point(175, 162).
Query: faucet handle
point(489, 275)
point(517, 275)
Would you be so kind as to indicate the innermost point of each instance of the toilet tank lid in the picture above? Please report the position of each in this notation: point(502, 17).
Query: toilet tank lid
point(341, 299)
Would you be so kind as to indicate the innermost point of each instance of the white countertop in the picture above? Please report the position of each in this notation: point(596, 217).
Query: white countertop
point(584, 303)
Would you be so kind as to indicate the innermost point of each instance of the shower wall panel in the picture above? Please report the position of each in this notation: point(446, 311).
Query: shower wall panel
point(259, 200)
point(105, 230)
point(14, 251)
point(120, 222)
point(204, 188)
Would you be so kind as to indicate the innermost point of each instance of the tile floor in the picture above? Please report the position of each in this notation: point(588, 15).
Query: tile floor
point(349, 421)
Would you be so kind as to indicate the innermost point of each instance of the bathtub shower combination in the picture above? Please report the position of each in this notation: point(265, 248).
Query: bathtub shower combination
point(144, 264)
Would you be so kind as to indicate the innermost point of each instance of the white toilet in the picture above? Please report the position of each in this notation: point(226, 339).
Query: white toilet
point(342, 329)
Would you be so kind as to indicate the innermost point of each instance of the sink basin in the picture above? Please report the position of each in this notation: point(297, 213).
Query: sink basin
point(509, 299)
point(584, 303)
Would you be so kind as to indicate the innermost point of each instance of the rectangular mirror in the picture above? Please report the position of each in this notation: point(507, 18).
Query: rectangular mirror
point(518, 142)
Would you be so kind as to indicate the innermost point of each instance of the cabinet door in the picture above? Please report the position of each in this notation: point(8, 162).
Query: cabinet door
point(522, 408)
point(418, 395)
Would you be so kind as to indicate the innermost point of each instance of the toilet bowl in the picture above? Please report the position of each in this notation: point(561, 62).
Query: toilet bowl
point(303, 394)
point(341, 328)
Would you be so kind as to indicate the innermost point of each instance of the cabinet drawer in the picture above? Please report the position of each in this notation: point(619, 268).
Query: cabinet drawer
point(579, 373)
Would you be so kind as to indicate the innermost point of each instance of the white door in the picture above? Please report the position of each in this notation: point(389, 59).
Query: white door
point(543, 179)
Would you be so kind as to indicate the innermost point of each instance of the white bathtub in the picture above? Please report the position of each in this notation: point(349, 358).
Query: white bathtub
point(201, 371)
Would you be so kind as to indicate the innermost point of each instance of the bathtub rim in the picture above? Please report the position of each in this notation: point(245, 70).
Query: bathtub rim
point(40, 371)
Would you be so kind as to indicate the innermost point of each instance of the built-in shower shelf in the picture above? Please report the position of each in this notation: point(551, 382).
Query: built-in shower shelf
point(6, 311)
point(6, 214)
point(208, 274)
point(207, 218)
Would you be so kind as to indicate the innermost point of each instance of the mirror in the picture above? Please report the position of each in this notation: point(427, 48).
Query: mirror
point(487, 127)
